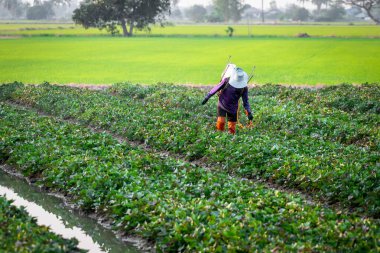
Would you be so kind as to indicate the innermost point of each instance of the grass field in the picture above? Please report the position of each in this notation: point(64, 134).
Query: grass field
point(105, 60)
point(200, 30)
point(48, 29)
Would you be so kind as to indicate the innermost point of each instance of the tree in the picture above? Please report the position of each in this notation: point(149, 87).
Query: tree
point(250, 12)
point(273, 5)
point(196, 13)
point(369, 6)
point(213, 16)
point(302, 14)
point(43, 9)
point(176, 13)
point(297, 13)
point(9, 4)
point(335, 13)
point(317, 3)
point(64, 11)
point(40, 11)
point(274, 12)
point(16, 8)
point(229, 9)
point(110, 13)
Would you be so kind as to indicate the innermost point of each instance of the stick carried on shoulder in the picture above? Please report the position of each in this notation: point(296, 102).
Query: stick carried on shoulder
point(250, 123)
point(227, 66)
point(251, 75)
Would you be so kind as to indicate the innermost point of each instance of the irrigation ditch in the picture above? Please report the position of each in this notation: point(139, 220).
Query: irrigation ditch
point(56, 211)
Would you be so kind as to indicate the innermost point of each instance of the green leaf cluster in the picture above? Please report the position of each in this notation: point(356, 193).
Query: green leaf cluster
point(20, 233)
point(321, 141)
point(179, 206)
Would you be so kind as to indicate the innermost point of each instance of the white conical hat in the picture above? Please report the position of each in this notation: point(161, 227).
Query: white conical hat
point(238, 78)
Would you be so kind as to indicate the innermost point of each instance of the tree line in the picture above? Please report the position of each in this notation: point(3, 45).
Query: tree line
point(137, 14)
point(326, 10)
point(37, 10)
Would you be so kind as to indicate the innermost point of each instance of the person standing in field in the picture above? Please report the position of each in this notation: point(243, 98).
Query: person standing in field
point(232, 87)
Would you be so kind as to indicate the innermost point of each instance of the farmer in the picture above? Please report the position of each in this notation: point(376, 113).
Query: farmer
point(232, 87)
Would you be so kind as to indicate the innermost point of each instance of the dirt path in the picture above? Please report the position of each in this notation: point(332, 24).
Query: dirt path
point(307, 197)
point(88, 86)
point(196, 86)
point(7, 37)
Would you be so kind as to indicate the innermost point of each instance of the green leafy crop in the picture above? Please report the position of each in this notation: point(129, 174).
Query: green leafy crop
point(179, 206)
point(20, 233)
point(324, 142)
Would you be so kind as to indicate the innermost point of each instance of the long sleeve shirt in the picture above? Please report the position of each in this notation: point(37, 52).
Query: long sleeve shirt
point(229, 98)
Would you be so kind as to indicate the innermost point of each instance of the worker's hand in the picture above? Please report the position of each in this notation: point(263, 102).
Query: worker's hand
point(204, 101)
point(250, 116)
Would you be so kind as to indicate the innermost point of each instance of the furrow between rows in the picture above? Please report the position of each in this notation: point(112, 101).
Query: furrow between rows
point(179, 206)
point(324, 143)
point(181, 158)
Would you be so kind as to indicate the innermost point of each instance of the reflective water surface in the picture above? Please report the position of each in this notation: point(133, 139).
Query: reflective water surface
point(51, 211)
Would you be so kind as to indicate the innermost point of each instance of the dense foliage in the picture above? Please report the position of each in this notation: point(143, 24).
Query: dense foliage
point(324, 142)
point(179, 206)
point(110, 13)
point(20, 233)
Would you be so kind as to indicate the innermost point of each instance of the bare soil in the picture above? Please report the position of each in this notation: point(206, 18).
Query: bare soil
point(7, 37)
point(196, 86)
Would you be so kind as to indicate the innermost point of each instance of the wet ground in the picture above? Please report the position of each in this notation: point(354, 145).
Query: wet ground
point(51, 211)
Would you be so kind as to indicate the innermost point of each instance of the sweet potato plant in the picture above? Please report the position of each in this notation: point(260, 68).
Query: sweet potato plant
point(179, 206)
point(20, 233)
point(322, 141)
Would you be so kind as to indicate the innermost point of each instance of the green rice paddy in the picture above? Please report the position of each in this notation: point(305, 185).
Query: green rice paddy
point(340, 30)
point(197, 60)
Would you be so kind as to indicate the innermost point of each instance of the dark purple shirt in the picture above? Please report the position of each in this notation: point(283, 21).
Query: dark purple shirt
point(229, 98)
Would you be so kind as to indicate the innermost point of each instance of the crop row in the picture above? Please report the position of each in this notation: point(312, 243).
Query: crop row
point(175, 204)
point(325, 142)
point(20, 233)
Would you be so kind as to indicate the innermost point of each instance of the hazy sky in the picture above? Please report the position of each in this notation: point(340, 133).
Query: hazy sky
point(255, 3)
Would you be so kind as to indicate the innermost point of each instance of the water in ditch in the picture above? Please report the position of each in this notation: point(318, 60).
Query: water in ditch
point(51, 211)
